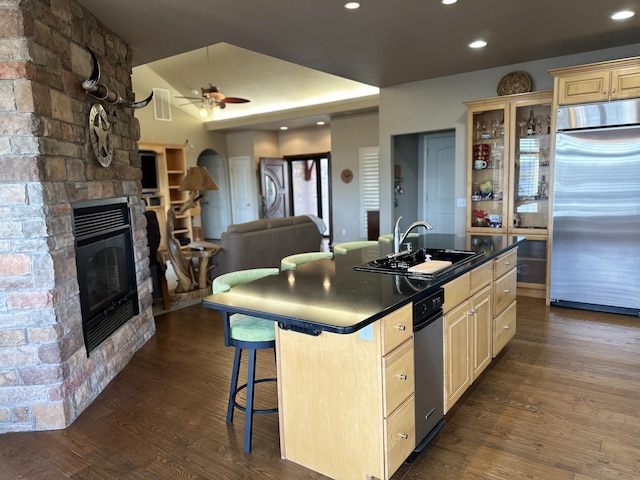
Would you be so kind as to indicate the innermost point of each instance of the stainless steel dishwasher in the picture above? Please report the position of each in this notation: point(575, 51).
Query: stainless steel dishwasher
point(429, 372)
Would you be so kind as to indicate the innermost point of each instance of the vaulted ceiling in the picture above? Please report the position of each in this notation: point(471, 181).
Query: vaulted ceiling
point(303, 52)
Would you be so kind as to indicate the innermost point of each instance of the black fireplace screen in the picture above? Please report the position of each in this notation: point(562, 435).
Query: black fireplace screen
point(106, 267)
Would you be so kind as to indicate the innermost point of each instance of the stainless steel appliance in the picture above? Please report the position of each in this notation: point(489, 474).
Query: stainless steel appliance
point(429, 372)
point(596, 208)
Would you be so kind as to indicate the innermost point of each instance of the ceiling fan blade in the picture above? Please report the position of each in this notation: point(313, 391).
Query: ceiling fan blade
point(191, 98)
point(190, 103)
point(235, 100)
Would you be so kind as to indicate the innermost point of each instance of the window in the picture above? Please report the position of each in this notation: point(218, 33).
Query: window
point(369, 184)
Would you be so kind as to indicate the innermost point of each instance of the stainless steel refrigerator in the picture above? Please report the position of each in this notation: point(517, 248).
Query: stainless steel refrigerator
point(595, 250)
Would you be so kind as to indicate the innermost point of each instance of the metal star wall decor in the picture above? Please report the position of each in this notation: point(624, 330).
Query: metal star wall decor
point(100, 133)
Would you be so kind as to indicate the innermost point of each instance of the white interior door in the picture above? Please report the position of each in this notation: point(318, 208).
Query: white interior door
point(438, 185)
point(215, 214)
point(244, 194)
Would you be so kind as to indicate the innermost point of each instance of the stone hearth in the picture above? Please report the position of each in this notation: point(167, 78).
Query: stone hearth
point(46, 163)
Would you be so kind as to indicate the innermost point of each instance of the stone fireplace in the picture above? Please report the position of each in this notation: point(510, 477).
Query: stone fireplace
point(47, 166)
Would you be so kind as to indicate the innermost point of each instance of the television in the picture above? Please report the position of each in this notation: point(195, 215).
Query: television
point(149, 171)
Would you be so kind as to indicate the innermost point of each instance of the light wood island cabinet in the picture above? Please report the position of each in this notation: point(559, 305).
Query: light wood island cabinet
point(504, 299)
point(360, 390)
point(479, 320)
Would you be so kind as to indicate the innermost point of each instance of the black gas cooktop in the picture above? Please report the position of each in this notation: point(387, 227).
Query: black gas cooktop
point(400, 263)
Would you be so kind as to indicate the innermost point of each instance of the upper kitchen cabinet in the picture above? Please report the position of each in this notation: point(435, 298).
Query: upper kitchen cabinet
point(489, 135)
point(508, 177)
point(508, 168)
point(598, 82)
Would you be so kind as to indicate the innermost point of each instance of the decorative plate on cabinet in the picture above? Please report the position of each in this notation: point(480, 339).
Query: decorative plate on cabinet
point(514, 82)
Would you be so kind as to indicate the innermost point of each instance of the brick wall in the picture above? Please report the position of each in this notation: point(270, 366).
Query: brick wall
point(46, 162)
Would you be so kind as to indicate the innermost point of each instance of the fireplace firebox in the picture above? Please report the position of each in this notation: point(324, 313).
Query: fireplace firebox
point(106, 267)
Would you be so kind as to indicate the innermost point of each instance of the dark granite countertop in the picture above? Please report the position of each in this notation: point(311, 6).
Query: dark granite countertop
point(329, 295)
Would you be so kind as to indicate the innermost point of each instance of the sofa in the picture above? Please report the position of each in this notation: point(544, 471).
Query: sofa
point(263, 243)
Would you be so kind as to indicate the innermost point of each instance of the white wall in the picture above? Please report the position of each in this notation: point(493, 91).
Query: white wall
point(437, 104)
point(348, 135)
point(305, 140)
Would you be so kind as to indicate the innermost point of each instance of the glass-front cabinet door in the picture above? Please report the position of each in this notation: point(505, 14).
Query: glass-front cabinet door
point(529, 205)
point(488, 168)
point(508, 177)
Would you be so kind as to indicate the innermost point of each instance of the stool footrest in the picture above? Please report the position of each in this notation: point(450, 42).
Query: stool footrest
point(242, 408)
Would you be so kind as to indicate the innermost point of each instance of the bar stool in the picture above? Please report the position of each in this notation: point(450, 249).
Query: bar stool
point(249, 333)
point(292, 261)
point(388, 237)
point(342, 248)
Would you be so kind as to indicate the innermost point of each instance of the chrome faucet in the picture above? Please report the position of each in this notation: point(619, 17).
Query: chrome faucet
point(398, 239)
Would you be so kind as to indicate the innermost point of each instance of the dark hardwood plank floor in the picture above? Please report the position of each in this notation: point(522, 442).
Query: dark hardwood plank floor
point(562, 402)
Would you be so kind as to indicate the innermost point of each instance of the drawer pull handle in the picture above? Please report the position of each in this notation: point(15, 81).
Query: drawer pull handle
point(402, 376)
point(614, 90)
point(506, 327)
point(507, 263)
point(507, 291)
point(403, 435)
point(604, 91)
point(402, 328)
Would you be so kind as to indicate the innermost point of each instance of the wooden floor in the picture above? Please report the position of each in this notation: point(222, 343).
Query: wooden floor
point(562, 402)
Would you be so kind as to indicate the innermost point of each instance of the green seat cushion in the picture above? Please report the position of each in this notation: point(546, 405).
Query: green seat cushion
point(342, 248)
point(251, 329)
point(227, 281)
point(290, 262)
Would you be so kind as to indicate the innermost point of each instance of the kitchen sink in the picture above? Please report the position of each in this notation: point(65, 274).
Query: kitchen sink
point(400, 263)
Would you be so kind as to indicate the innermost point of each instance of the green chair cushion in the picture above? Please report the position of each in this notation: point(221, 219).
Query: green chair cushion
point(342, 248)
point(290, 262)
point(227, 281)
point(251, 329)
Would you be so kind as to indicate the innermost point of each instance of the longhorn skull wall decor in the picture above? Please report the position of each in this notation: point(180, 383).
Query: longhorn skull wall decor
point(97, 90)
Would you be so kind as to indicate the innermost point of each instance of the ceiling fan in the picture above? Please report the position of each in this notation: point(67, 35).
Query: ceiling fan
point(213, 97)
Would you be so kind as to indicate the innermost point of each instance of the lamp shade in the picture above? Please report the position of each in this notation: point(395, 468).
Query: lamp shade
point(198, 178)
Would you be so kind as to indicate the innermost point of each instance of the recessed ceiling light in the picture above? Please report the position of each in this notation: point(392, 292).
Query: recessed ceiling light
point(622, 15)
point(449, 2)
point(284, 128)
point(351, 5)
point(478, 44)
point(320, 123)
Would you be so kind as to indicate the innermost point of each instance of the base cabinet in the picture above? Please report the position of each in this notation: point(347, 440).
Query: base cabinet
point(479, 320)
point(346, 402)
point(504, 307)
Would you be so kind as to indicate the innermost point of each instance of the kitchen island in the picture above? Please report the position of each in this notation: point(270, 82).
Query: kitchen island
point(345, 351)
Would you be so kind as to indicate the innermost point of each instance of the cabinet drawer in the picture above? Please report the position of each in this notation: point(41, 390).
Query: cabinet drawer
point(398, 377)
point(456, 292)
point(505, 262)
point(399, 433)
point(504, 328)
point(481, 276)
point(504, 292)
point(397, 328)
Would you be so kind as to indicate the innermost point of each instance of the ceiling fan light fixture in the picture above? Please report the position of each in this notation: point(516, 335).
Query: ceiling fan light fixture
point(204, 113)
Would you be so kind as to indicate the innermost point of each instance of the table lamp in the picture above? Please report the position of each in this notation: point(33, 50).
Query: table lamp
point(196, 180)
